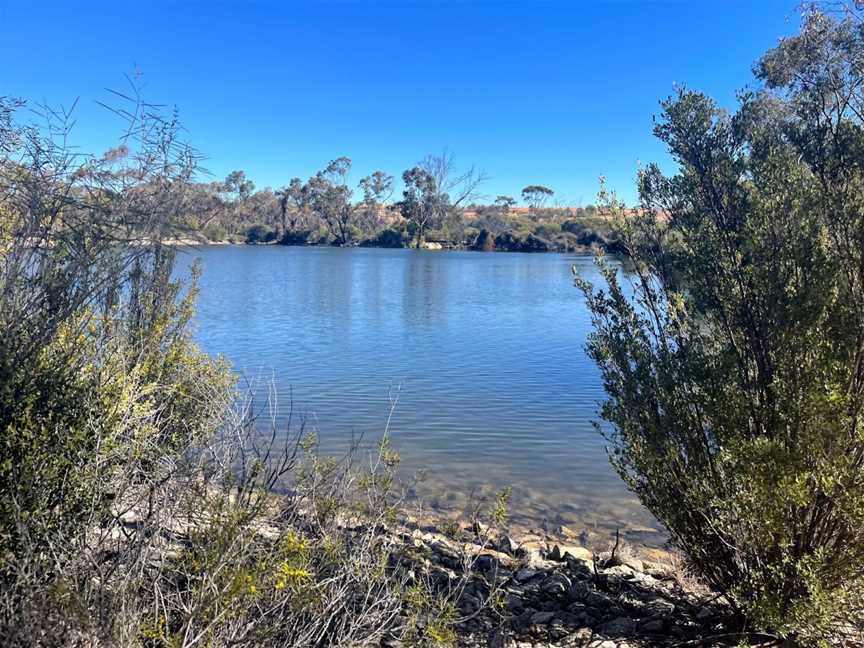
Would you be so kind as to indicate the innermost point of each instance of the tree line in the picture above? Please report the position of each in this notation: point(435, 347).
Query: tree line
point(439, 203)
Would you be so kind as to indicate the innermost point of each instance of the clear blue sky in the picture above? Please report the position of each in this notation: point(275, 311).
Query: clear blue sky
point(554, 93)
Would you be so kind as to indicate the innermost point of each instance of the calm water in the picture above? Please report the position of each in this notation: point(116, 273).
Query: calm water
point(485, 352)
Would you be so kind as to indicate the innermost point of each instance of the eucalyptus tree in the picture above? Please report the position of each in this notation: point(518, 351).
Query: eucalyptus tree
point(293, 204)
point(377, 189)
point(735, 374)
point(283, 196)
point(505, 203)
point(330, 199)
point(238, 186)
point(420, 204)
point(536, 196)
point(435, 193)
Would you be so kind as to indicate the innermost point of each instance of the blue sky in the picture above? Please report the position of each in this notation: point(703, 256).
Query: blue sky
point(554, 93)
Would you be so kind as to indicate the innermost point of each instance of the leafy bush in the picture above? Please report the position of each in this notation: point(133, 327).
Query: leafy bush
point(734, 374)
point(584, 234)
point(138, 492)
point(260, 234)
point(215, 233)
point(295, 237)
point(390, 238)
point(96, 364)
point(547, 230)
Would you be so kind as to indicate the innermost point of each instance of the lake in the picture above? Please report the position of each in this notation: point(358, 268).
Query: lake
point(484, 350)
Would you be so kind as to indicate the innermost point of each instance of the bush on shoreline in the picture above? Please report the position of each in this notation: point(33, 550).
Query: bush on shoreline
point(137, 493)
point(734, 376)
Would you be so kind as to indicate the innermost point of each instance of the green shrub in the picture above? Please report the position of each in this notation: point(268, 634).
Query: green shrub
point(138, 501)
point(547, 230)
point(295, 237)
point(260, 234)
point(215, 233)
point(734, 375)
point(390, 238)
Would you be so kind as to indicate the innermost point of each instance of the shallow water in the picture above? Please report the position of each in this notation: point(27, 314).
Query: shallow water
point(485, 352)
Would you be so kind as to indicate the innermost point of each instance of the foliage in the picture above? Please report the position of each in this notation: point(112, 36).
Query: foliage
point(143, 502)
point(536, 196)
point(423, 206)
point(329, 196)
point(96, 366)
point(484, 241)
point(390, 238)
point(260, 233)
point(734, 373)
point(323, 210)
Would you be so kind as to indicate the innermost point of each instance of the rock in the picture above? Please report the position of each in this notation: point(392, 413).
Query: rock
point(654, 625)
point(659, 608)
point(657, 570)
point(484, 241)
point(443, 576)
point(531, 547)
point(525, 574)
point(515, 605)
point(503, 559)
point(566, 532)
point(485, 562)
point(646, 580)
point(599, 600)
point(617, 627)
point(581, 635)
point(579, 592)
point(469, 603)
point(629, 561)
point(542, 618)
point(507, 544)
point(557, 629)
point(659, 574)
point(524, 619)
point(556, 585)
point(621, 571)
point(584, 619)
point(131, 518)
point(540, 564)
point(704, 613)
point(560, 551)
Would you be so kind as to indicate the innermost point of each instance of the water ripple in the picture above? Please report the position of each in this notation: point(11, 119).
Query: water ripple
point(486, 351)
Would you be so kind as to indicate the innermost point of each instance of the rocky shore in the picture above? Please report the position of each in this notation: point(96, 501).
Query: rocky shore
point(541, 591)
point(532, 590)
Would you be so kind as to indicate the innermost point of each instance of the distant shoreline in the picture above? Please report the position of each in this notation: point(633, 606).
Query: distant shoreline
point(431, 246)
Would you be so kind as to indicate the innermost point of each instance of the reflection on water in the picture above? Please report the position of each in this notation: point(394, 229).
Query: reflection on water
point(485, 351)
